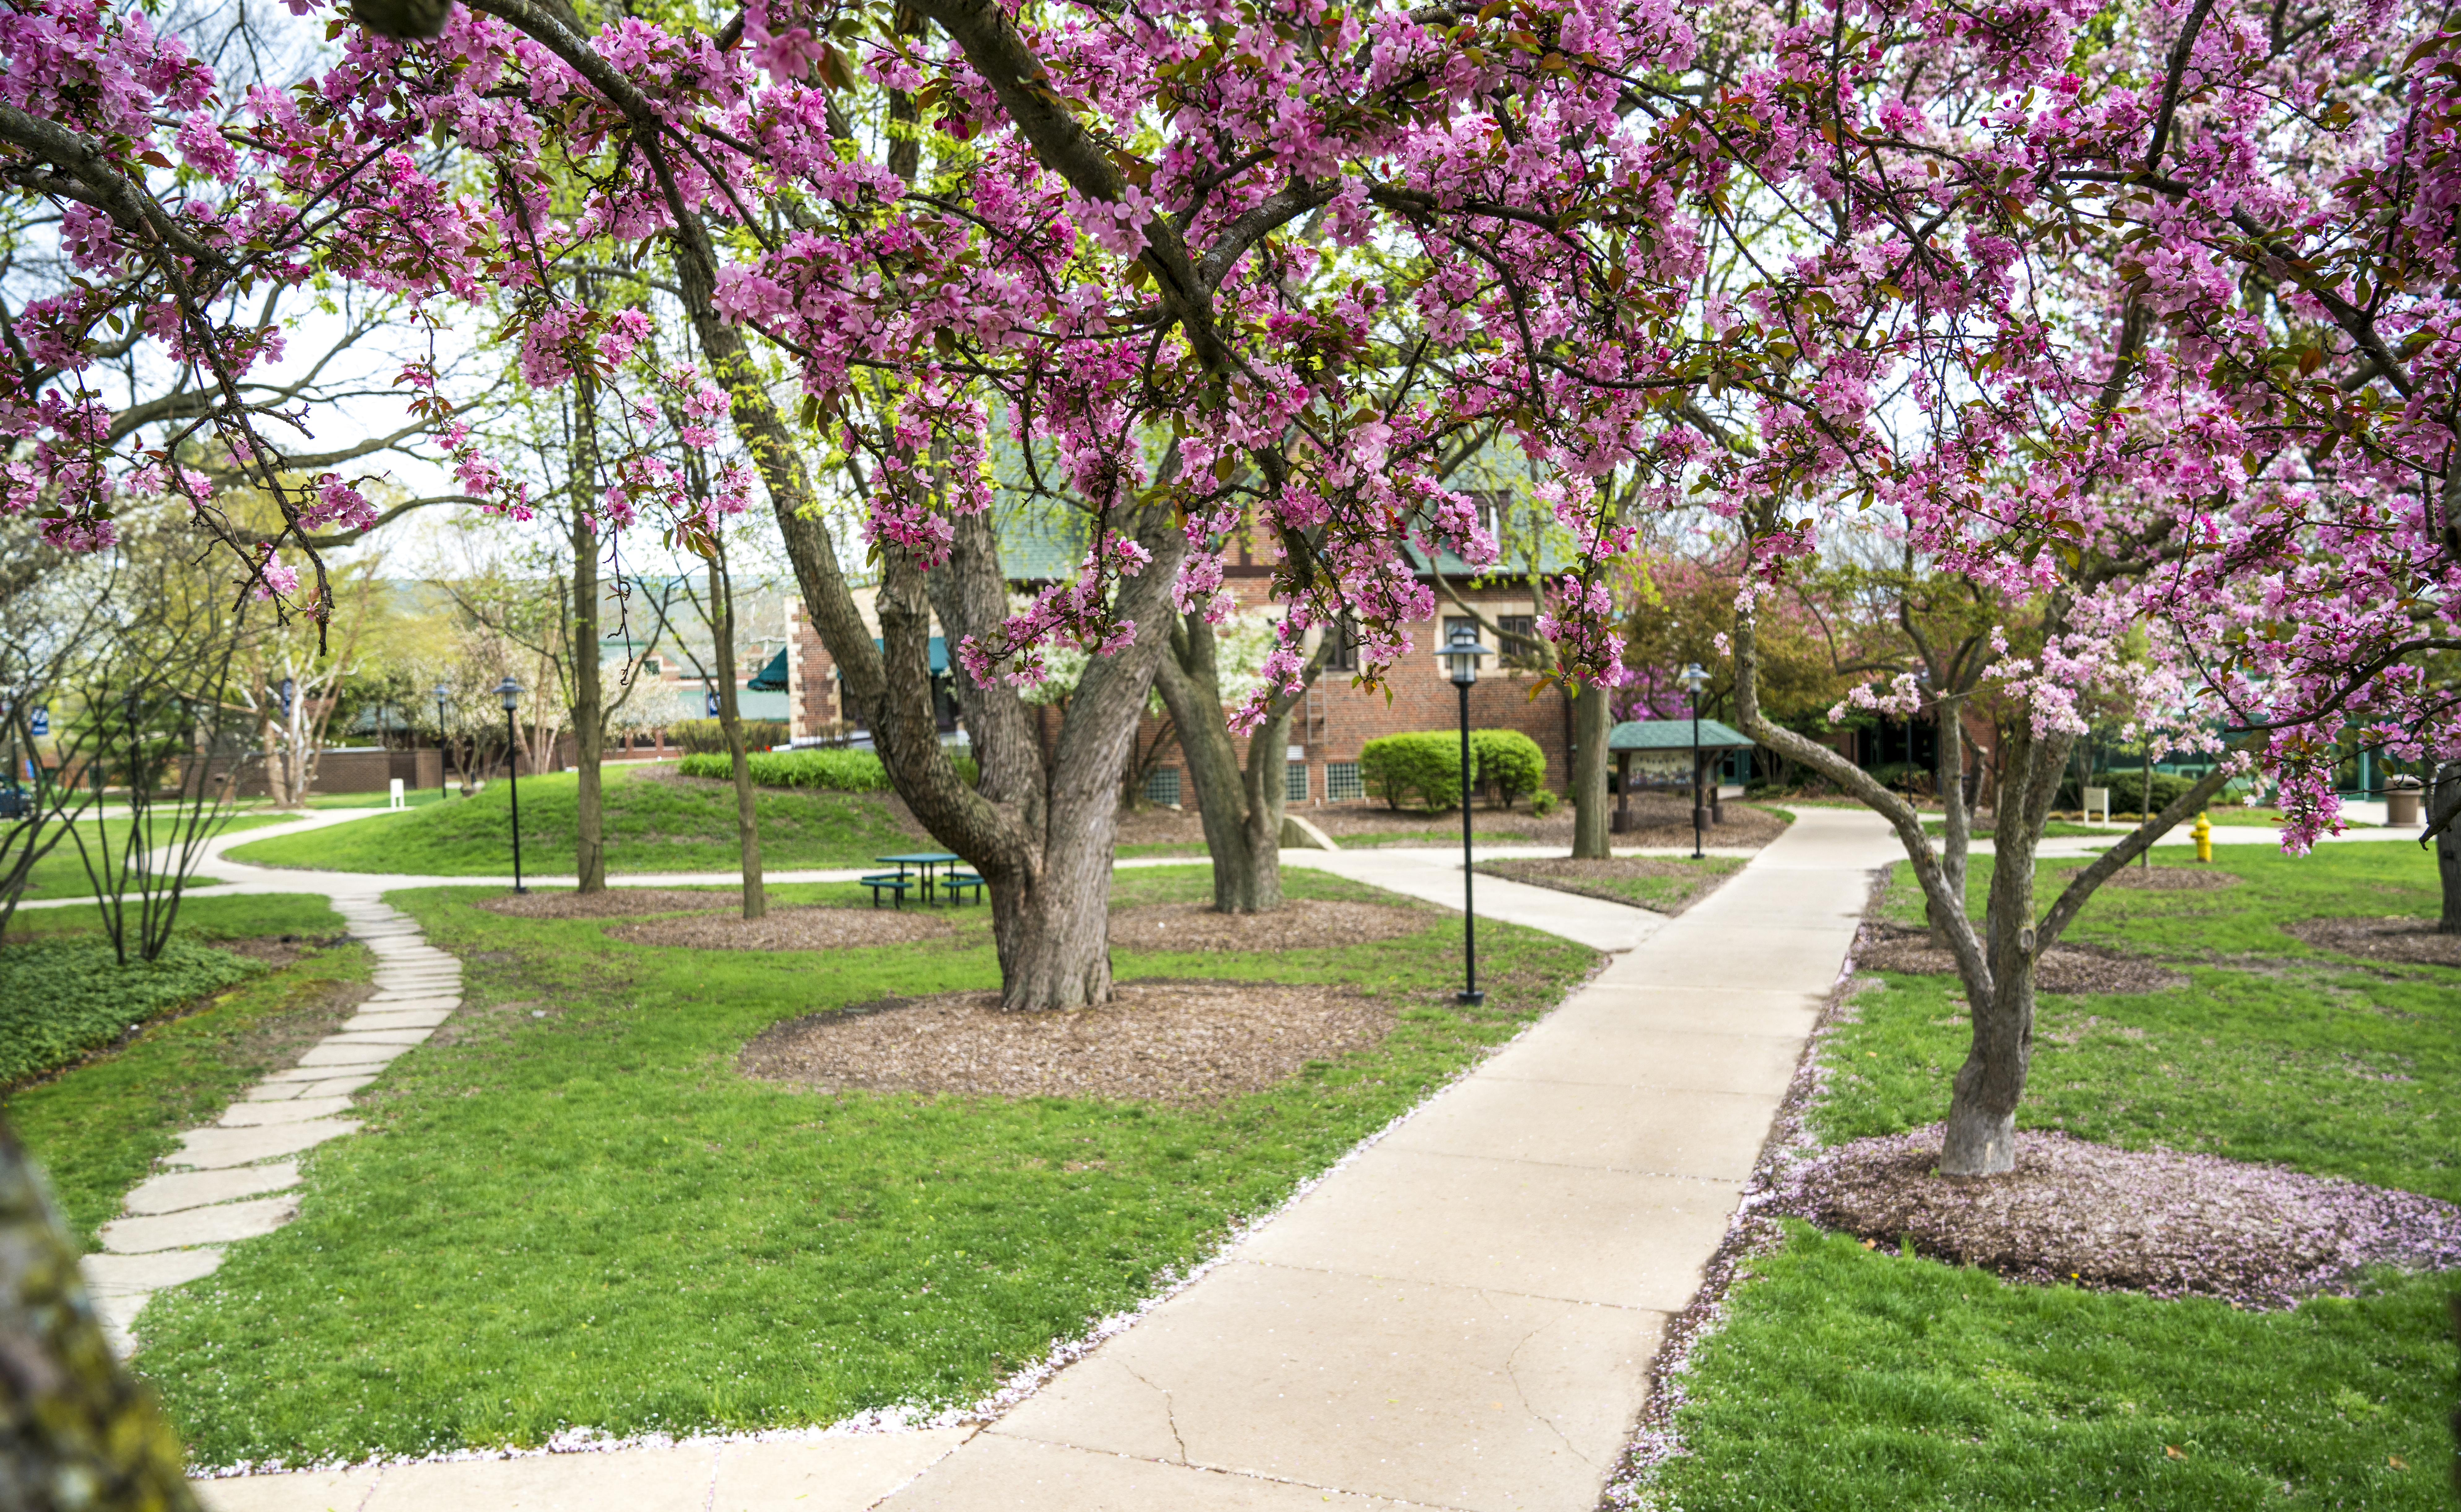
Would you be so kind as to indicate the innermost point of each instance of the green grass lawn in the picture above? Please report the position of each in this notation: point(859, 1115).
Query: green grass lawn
point(589, 1218)
point(655, 822)
point(98, 1127)
point(1846, 1378)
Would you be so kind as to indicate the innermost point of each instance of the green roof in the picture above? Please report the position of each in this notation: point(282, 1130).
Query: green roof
point(1676, 734)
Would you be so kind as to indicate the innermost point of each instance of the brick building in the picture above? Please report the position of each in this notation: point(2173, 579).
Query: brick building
point(1330, 725)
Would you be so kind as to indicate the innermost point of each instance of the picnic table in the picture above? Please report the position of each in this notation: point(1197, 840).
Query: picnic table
point(923, 861)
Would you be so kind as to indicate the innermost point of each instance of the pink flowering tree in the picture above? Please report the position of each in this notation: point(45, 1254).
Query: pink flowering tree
point(2144, 319)
point(2123, 316)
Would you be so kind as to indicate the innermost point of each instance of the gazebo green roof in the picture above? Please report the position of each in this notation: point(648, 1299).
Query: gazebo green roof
point(1676, 734)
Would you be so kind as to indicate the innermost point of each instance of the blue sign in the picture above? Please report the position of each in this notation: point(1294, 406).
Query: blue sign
point(42, 721)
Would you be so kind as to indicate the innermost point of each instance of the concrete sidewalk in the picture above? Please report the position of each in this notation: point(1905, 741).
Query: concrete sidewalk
point(1462, 1316)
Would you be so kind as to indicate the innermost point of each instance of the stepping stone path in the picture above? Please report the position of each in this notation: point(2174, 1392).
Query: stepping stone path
point(234, 1178)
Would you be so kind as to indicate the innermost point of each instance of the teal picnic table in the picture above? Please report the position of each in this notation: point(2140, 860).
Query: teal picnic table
point(923, 861)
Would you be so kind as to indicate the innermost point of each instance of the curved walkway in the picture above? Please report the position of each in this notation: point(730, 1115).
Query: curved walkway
point(1459, 1316)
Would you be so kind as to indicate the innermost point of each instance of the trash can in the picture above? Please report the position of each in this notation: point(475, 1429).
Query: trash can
point(2401, 796)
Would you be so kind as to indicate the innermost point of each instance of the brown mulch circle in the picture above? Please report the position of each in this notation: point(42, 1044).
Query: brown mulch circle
point(2152, 1221)
point(1172, 1042)
point(2172, 879)
point(615, 903)
point(1303, 924)
point(2063, 969)
point(788, 929)
point(2412, 940)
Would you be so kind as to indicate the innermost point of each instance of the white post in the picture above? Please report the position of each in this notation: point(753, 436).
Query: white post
point(398, 802)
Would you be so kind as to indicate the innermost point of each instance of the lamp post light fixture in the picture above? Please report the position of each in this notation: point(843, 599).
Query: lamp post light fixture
point(1463, 652)
point(443, 787)
point(510, 692)
point(1694, 679)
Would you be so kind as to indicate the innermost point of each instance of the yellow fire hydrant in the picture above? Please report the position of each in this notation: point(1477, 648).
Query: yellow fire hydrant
point(2204, 838)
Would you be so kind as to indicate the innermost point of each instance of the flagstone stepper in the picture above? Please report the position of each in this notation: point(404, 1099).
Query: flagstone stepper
point(198, 1225)
point(330, 1054)
point(380, 1037)
point(296, 1110)
point(170, 1194)
point(402, 1019)
point(121, 1275)
point(220, 1147)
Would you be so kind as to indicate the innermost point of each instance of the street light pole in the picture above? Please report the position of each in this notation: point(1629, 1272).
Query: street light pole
point(510, 692)
point(1693, 679)
point(1463, 652)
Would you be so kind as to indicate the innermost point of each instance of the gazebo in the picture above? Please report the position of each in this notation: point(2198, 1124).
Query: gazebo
point(1669, 737)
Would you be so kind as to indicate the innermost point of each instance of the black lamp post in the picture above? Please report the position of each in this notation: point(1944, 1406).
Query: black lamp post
point(1693, 679)
point(510, 692)
point(443, 787)
point(1463, 652)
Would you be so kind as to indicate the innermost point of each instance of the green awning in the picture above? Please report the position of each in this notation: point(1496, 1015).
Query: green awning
point(1676, 734)
point(771, 678)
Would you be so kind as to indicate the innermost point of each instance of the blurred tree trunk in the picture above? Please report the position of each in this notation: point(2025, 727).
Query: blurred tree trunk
point(2444, 813)
point(78, 1433)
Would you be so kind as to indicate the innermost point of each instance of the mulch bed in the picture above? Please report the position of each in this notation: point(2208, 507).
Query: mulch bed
point(2172, 879)
point(2063, 969)
point(1593, 879)
point(2152, 1221)
point(1169, 1042)
point(788, 929)
point(2412, 940)
point(1298, 924)
point(615, 903)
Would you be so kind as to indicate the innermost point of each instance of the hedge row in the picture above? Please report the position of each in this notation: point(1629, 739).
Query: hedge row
point(707, 737)
point(823, 770)
point(1424, 769)
point(828, 771)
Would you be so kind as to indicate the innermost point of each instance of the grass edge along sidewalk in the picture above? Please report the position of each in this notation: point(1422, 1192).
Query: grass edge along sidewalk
point(1831, 1373)
point(571, 1210)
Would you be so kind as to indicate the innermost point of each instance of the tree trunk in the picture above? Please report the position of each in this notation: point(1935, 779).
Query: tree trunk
point(1591, 727)
point(588, 695)
point(2444, 810)
point(77, 1433)
point(1241, 805)
point(1040, 832)
point(1957, 837)
point(1983, 1108)
point(1997, 966)
point(730, 719)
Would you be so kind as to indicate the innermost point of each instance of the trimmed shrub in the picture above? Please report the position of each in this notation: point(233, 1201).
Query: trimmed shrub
point(708, 736)
point(1423, 769)
point(1544, 802)
point(1506, 763)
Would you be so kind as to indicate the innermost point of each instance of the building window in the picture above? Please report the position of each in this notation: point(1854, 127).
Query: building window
point(1295, 781)
point(1162, 786)
point(1341, 653)
point(1521, 647)
point(1341, 782)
